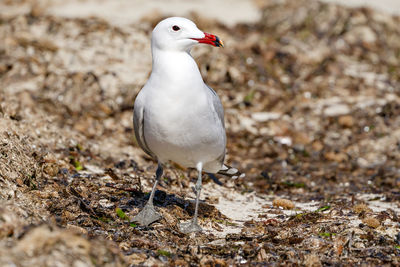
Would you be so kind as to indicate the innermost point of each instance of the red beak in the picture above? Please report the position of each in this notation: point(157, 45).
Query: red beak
point(210, 39)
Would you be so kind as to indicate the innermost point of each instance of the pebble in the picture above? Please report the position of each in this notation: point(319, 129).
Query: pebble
point(337, 110)
point(361, 33)
point(346, 121)
point(265, 116)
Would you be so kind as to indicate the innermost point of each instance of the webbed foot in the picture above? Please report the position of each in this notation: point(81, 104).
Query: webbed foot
point(147, 215)
point(189, 227)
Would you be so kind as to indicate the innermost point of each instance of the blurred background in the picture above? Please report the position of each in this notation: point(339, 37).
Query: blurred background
point(311, 91)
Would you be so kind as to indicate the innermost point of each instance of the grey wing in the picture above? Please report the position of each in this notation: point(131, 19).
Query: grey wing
point(220, 112)
point(217, 105)
point(138, 125)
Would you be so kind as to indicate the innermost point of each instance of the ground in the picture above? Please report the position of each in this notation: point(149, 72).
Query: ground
point(311, 93)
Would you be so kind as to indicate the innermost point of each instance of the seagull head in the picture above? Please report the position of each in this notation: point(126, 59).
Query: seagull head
point(180, 34)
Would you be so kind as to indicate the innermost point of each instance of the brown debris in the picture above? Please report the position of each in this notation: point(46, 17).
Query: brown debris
point(283, 203)
point(371, 222)
point(361, 208)
point(312, 260)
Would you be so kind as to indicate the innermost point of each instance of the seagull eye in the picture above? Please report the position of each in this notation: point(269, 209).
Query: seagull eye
point(176, 28)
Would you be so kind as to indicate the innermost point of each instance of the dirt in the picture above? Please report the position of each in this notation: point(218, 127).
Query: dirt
point(312, 102)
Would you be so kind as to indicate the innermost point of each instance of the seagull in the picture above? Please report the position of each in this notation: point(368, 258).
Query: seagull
point(177, 117)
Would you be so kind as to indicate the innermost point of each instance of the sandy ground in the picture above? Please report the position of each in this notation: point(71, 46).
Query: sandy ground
point(228, 12)
point(388, 6)
point(311, 96)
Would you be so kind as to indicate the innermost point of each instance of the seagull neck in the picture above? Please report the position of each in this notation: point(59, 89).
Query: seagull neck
point(175, 66)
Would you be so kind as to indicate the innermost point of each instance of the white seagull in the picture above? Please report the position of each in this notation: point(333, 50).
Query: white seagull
point(177, 117)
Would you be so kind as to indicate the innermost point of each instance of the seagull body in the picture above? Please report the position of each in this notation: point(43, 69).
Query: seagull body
point(181, 122)
point(177, 117)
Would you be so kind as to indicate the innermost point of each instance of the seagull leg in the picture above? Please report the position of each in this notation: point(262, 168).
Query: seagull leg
point(149, 214)
point(193, 226)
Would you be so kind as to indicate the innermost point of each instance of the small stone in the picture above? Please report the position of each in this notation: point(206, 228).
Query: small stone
point(317, 146)
point(265, 116)
point(338, 157)
point(363, 163)
point(19, 182)
point(346, 121)
point(105, 203)
point(236, 74)
point(371, 160)
point(337, 110)
point(220, 262)
point(362, 34)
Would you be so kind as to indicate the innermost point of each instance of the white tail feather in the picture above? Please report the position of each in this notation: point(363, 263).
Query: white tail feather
point(231, 172)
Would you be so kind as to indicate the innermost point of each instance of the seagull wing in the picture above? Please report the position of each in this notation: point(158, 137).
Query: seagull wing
point(226, 169)
point(138, 125)
point(217, 105)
